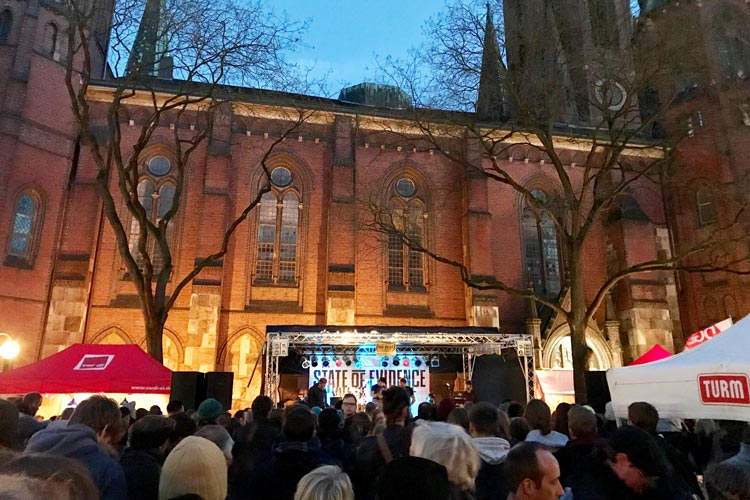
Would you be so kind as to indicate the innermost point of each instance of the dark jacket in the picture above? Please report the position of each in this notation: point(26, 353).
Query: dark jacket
point(142, 471)
point(28, 426)
point(572, 456)
point(277, 478)
point(370, 462)
point(79, 442)
point(253, 445)
point(491, 482)
point(316, 397)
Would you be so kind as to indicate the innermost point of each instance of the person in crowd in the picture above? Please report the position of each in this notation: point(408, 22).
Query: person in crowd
point(253, 443)
point(184, 426)
point(209, 412)
point(349, 409)
point(645, 416)
point(316, 395)
point(359, 428)
point(62, 477)
point(518, 429)
point(426, 411)
point(725, 442)
point(27, 408)
point(445, 407)
point(533, 473)
point(140, 413)
point(515, 409)
point(730, 479)
point(407, 478)
point(95, 423)
point(469, 395)
point(10, 434)
point(378, 387)
point(143, 458)
point(324, 483)
point(195, 466)
point(539, 418)
point(333, 445)
point(560, 418)
point(484, 422)
point(631, 465)
point(219, 436)
point(276, 478)
point(503, 425)
point(378, 450)
point(450, 446)
point(409, 390)
point(155, 410)
point(459, 417)
point(175, 406)
point(582, 429)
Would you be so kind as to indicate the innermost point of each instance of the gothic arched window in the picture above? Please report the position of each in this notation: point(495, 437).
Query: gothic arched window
point(6, 23)
point(24, 228)
point(278, 229)
point(50, 40)
point(406, 264)
point(156, 190)
point(541, 249)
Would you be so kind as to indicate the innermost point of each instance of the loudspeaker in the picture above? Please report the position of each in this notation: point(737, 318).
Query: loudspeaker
point(597, 390)
point(219, 387)
point(188, 387)
point(496, 379)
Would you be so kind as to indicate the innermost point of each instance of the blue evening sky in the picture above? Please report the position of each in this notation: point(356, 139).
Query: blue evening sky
point(348, 37)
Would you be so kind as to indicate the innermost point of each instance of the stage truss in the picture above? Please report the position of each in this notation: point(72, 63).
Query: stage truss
point(468, 342)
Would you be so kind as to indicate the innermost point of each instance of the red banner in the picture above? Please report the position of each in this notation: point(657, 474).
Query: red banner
point(724, 389)
point(712, 331)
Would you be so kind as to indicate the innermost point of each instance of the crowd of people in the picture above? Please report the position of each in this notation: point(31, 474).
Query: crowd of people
point(478, 451)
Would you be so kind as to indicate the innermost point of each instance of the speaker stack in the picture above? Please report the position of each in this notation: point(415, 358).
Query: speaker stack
point(192, 388)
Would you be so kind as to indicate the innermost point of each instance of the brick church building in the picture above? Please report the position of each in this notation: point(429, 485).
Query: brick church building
point(304, 258)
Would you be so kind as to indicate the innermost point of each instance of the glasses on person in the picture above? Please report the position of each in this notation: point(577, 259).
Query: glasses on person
point(349, 404)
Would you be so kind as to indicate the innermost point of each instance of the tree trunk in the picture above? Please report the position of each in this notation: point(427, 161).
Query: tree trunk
point(154, 334)
point(577, 324)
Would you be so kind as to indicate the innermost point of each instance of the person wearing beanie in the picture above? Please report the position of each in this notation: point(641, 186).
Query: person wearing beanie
point(143, 458)
point(208, 411)
point(631, 465)
point(195, 466)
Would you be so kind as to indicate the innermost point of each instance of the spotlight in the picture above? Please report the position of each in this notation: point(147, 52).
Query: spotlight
point(405, 362)
point(418, 362)
point(434, 362)
point(348, 362)
point(384, 362)
point(326, 362)
point(339, 362)
point(395, 361)
point(314, 363)
point(306, 363)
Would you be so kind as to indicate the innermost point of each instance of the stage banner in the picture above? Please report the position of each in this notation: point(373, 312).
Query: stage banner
point(358, 380)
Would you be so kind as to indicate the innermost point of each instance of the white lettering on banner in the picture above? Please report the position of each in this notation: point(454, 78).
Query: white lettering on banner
point(94, 362)
point(712, 331)
point(724, 389)
point(359, 380)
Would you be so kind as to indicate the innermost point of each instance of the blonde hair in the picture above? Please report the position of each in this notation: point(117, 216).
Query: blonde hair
point(196, 465)
point(325, 483)
point(450, 446)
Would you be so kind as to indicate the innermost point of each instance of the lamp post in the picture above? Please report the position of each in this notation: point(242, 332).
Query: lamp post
point(8, 350)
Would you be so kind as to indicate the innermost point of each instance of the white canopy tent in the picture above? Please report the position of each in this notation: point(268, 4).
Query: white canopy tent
point(709, 381)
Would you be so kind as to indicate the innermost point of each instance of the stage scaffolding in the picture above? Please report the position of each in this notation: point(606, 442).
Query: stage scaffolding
point(469, 342)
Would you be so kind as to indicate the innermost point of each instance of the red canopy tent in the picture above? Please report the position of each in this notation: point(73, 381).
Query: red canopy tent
point(655, 354)
point(91, 368)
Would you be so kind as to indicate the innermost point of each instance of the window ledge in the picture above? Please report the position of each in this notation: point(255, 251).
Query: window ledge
point(18, 262)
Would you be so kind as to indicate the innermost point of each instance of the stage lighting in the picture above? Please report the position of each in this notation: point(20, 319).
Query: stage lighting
point(395, 361)
point(435, 362)
point(417, 362)
point(314, 362)
point(384, 362)
point(339, 362)
point(326, 362)
point(405, 362)
point(348, 362)
point(305, 363)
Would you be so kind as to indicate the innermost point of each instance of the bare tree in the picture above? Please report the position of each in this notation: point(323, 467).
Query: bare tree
point(576, 89)
point(173, 61)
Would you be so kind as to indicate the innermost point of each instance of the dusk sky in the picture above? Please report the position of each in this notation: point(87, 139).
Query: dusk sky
point(348, 37)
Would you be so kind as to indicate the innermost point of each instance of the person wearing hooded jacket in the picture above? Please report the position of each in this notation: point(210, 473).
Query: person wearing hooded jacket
point(95, 423)
point(484, 428)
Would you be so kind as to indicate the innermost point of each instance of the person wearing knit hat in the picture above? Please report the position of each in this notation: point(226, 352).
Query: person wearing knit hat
point(195, 466)
point(208, 411)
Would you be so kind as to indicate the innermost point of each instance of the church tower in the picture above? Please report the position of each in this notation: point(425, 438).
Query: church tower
point(557, 50)
point(491, 96)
